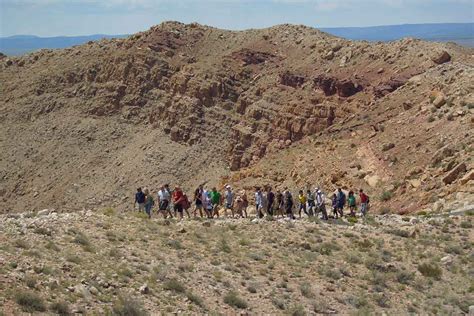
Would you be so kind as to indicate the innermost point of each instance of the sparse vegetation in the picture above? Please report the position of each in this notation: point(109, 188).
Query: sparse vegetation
point(174, 285)
point(431, 270)
point(30, 301)
point(126, 306)
point(386, 196)
point(60, 308)
point(233, 299)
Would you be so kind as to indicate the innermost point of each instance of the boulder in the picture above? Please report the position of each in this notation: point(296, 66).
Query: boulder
point(442, 57)
point(467, 177)
point(439, 100)
point(446, 260)
point(388, 146)
point(455, 173)
point(372, 181)
point(416, 183)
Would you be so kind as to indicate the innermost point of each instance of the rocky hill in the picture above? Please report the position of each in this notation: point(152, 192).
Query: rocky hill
point(288, 105)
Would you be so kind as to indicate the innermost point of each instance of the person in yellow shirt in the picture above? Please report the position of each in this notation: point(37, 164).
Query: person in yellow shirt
point(302, 200)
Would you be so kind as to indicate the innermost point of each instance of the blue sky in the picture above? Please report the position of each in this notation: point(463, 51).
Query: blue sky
point(82, 17)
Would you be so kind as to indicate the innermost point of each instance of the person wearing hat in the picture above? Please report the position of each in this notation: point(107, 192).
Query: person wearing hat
point(229, 200)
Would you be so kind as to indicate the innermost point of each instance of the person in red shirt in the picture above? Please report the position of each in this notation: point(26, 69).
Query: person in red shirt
point(364, 202)
point(178, 201)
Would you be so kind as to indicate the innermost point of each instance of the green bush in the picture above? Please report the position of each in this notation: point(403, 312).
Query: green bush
point(399, 232)
point(60, 308)
point(466, 224)
point(30, 301)
point(30, 281)
point(126, 306)
point(21, 243)
point(233, 299)
point(174, 285)
point(386, 196)
point(306, 290)
point(224, 246)
point(195, 299)
point(404, 277)
point(430, 270)
point(297, 310)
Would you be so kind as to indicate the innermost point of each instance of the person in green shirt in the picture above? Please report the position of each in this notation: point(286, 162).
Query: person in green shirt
point(215, 201)
point(351, 201)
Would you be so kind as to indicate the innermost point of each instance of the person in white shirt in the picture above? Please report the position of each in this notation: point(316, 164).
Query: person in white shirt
point(229, 200)
point(164, 199)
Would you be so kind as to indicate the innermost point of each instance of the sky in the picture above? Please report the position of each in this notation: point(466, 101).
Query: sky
point(85, 17)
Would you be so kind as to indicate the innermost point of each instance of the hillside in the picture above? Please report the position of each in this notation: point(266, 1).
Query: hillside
point(96, 263)
point(185, 104)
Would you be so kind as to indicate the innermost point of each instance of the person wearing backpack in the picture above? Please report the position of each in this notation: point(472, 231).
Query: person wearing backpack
point(186, 204)
point(149, 202)
point(364, 202)
point(178, 201)
point(140, 200)
point(351, 201)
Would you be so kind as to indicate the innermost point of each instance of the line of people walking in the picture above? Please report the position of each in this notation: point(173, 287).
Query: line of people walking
point(209, 202)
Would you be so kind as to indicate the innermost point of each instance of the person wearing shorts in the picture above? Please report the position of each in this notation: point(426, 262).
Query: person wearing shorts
point(178, 200)
point(229, 200)
point(215, 201)
point(164, 201)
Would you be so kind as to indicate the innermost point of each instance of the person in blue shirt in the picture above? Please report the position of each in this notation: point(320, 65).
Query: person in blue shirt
point(140, 200)
point(341, 201)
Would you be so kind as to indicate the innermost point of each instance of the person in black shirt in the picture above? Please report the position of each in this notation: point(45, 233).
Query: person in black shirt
point(270, 200)
point(140, 200)
point(198, 200)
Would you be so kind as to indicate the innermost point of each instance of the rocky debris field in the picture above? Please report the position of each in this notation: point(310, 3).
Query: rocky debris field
point(98, 262)
point(187, 103)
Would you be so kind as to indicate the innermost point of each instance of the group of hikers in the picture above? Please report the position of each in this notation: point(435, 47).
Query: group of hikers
point(208, 203)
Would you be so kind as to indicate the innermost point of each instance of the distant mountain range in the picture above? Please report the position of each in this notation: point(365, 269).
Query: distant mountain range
point(460, 33)
point(22, 44)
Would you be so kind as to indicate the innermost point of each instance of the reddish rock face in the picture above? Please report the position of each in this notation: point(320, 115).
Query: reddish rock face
point(331, 86)
point(385, 88)
point(291, 80)
point(251, 57)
